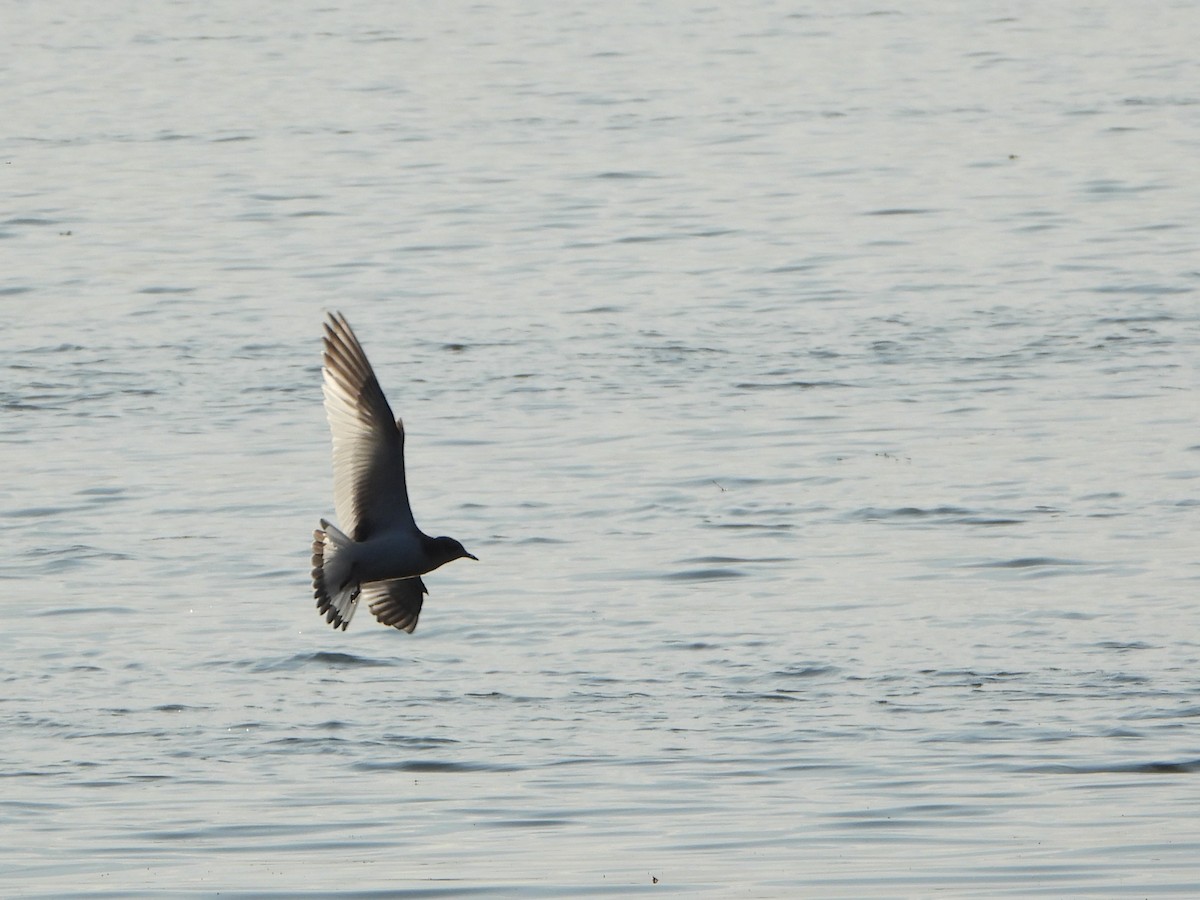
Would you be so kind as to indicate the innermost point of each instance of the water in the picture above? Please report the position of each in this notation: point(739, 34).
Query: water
point(818, 390)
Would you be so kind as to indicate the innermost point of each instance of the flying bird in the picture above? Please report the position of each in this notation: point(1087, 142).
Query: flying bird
point(379, 553)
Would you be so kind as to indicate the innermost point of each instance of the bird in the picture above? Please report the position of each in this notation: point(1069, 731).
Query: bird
point(378, 554)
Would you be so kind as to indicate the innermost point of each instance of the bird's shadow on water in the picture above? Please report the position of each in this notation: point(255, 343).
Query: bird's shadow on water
point(322, 659)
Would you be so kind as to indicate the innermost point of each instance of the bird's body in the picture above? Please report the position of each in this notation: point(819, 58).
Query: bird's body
point(379, 552)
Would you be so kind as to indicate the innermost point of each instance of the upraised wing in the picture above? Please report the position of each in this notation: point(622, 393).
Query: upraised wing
point(369, 490)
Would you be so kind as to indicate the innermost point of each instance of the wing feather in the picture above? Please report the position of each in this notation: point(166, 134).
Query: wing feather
point(369, 489)
point(396, 603)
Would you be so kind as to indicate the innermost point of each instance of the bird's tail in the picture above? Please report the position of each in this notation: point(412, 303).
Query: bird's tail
point(332, 576)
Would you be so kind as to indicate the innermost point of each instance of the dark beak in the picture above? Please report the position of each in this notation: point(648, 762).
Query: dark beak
point(473, 556)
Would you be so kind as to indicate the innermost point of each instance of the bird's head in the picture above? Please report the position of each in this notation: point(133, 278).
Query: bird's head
point(447, 549)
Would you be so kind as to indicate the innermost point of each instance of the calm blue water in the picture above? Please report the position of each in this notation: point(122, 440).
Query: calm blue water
point(819, 391)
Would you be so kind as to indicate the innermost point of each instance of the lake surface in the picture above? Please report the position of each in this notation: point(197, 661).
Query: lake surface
point(818, 390)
